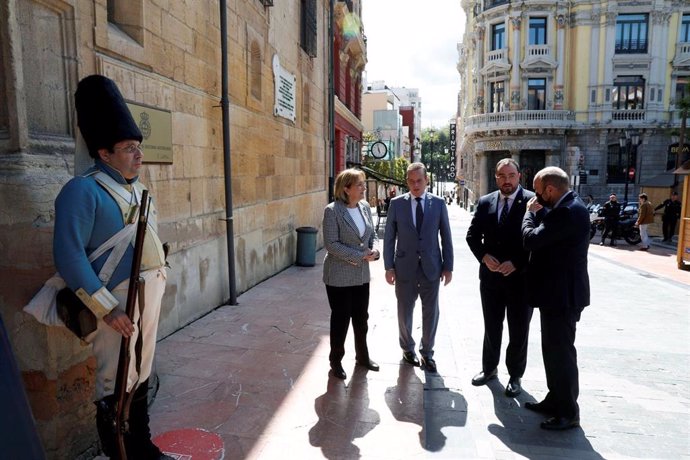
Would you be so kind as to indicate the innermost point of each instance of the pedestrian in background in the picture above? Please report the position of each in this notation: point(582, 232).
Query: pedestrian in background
point(495, 238)
point(415, 262)
point(89, 211)
point(645, 216)
point(671, 215)
point(349, 237)
point(555, 230)
point(611, 212)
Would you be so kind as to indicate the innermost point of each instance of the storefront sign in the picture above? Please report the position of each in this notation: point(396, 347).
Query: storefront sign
point(452, 147)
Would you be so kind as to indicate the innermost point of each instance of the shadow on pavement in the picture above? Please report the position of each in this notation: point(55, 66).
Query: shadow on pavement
point(520, 432)
point(344, 415)
point(432, 406)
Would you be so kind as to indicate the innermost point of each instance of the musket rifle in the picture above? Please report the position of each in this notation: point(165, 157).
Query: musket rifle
point(124, 398)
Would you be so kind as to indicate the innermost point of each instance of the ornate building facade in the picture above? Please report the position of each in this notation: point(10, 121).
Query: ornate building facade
point(166, 59)
point(571, 84)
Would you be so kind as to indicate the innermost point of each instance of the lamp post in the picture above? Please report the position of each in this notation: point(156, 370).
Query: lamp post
point(629, 138)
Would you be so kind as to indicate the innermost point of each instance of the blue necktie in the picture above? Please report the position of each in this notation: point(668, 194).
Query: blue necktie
point(419, 215)
point(504, 213)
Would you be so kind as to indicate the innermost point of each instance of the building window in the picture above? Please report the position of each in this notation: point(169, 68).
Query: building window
point(685, 29)
point(308, 26)
point(537, 31)
point(682, 89)
point(617, 163)
point(128, 16)
point(536, 94)
point(255, 70)
point(498, 34)
point(628, 93)
point(496, 96)
point(631, 33)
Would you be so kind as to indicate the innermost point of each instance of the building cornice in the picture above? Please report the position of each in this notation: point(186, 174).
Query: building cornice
point(342, 110)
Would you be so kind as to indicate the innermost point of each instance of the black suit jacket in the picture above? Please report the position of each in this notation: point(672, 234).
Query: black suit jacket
point(557, 270)
point(486, 237)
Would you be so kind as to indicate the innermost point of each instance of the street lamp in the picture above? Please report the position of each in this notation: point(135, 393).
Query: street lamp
point(629, 138)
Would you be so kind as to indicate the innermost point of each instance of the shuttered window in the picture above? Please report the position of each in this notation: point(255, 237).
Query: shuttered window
point(308, 26)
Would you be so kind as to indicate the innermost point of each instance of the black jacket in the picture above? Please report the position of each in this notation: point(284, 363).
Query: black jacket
point(485, 236)
point(557, 271)
point(611, 210)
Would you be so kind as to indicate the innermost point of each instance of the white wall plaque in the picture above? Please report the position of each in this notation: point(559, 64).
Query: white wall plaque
point(285, 91)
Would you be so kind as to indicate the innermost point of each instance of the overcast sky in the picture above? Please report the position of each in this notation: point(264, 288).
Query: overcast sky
point(413, 43)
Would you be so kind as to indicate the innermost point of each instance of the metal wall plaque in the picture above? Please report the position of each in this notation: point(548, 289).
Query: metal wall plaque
point(156, 127)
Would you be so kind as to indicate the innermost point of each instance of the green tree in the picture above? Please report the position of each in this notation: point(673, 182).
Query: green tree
point(434, 152)
point(395, 170)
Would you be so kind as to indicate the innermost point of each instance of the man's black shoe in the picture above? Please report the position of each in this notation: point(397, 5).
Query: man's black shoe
point(483, 377)
point(428, 364)
point(513, 388)
point(601, 244)
point(410, 358)
point(560, 423)
point(369, 364)
point(539, 407)
point(338, 371)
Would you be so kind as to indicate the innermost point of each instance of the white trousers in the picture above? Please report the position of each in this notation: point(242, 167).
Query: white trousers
point(644, 235)
point(106, 341)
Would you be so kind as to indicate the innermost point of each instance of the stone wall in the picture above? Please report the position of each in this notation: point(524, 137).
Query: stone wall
point(167, 58)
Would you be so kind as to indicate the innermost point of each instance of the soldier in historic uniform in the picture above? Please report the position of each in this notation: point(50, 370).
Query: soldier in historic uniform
point(90, 209)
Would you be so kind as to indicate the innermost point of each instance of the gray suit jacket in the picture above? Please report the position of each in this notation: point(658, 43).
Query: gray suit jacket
point(343, 265)
point(404, 249)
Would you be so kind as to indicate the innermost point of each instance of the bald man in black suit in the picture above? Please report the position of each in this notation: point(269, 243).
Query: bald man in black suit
point(556, 232)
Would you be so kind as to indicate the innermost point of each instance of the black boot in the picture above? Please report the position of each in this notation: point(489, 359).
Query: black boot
point(105, 424)
point(138, 440)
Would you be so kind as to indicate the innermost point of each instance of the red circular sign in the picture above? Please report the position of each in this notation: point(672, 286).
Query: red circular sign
point(191, 444)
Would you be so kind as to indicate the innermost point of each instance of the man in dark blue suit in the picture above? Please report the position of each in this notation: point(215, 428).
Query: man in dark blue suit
point(556, 232)
point(495, 239)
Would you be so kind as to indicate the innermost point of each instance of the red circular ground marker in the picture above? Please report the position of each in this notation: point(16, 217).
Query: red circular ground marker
point(191, 444)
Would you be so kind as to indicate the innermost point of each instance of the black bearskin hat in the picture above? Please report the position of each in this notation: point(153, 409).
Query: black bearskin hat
point(102, 115)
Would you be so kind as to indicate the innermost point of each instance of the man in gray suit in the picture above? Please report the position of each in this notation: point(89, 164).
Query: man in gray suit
point(417, 264)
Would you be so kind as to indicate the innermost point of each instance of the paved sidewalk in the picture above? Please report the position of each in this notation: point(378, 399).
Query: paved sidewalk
point(251, 381)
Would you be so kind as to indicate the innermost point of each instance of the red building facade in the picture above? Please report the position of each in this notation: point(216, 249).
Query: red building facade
point(349, 51)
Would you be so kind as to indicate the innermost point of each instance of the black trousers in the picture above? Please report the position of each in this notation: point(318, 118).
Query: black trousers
point(560, 363)
point(501, 297)
point(668, 227)
point(610, 226)
point(348, 303)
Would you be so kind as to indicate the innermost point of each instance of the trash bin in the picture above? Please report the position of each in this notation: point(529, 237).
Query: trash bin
point(306, 246)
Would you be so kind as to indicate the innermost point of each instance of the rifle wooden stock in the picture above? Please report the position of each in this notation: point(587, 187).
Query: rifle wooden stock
point(123, 398)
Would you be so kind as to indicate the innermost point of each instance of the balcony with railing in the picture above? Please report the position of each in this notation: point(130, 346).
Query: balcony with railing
point(628, 115)
point(496, 60)
point(520, 119)
point(538, 56)
point(538, 51)
point(497, 56)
